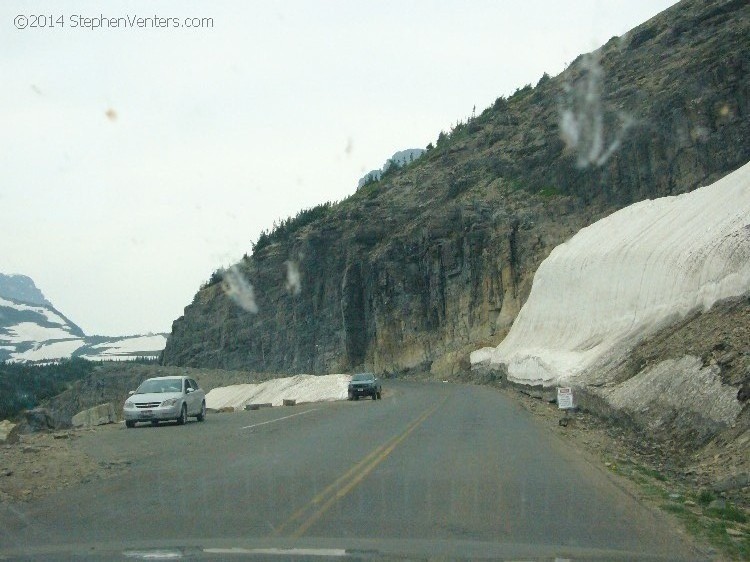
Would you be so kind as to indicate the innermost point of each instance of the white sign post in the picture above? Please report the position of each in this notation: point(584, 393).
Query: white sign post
point(565, 403)
point(565, 398)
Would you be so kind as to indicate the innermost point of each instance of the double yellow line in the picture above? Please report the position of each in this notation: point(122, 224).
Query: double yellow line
point(311, 512)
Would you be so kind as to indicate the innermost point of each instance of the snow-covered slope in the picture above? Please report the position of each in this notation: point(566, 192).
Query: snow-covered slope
point(38, 332)
point(626, 276)
point(302, 388)
point(25, 328)
point(124, 348)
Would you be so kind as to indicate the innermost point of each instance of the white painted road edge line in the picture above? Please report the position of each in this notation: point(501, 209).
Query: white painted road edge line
point(279, 419)
point(280, 551)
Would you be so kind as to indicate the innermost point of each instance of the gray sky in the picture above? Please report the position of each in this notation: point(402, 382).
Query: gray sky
point(137, 161)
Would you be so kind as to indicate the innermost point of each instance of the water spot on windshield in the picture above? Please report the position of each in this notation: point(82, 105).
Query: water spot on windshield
point(583, 118)
point(293, 280)
point(239, 289)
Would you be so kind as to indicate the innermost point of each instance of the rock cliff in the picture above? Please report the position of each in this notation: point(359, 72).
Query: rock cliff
point(436, 259)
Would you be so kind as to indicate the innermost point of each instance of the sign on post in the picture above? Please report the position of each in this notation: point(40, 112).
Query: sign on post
point(565, 398)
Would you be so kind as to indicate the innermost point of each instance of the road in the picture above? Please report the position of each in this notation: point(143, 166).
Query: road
point(444, 470)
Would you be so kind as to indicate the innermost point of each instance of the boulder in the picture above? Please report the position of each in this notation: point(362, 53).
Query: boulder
point(8, 432)
point(39, 419)
point(98, 415)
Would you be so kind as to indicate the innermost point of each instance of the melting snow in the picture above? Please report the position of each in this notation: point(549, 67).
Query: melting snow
point(302, 388)
point(626, 276)
point(32, 332)
point(130, 346)
point(49, 351)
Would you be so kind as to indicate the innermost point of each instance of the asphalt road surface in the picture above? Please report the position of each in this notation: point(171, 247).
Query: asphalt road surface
point(432, 471)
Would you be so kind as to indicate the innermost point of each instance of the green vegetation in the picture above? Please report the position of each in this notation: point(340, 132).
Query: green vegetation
point(23, 386)
point(549, 191)
point(720, 524)
point(284, 229)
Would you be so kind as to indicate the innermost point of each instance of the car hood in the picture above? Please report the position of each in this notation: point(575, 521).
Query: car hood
point(154, 396)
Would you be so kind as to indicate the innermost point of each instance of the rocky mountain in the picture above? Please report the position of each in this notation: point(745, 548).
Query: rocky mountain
point(31, 329)
point(435, 260)
point(399, 159)
point(21, 288)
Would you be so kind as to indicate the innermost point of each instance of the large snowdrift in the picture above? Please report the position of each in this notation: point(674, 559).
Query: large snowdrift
point(626, 276)
point(302, 388)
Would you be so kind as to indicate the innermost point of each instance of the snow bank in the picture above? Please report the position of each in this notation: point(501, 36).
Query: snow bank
point(626, 276)
point(683, 385)
point(302, 388)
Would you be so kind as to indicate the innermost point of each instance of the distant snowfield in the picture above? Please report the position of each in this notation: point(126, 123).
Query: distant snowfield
point(49, 351)
point(42, 311)
point(302, 388)
point(126, 348)
point(31, 332)
point(624, 277)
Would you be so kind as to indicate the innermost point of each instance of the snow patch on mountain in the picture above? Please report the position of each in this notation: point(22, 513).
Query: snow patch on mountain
point(118, 349)
point(625, 277)
point(51, 351)
point(38, 332)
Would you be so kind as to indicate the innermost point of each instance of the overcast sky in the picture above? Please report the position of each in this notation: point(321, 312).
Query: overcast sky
point(137, 161)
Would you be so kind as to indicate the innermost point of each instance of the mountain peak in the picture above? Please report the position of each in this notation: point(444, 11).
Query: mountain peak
point(21, 288)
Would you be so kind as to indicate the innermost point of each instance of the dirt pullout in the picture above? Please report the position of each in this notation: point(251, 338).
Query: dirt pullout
point(44, 463)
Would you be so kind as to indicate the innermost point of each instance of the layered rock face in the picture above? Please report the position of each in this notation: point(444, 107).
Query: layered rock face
point(419, 269)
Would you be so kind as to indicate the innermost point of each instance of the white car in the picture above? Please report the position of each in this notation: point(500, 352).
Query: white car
point(165, 398)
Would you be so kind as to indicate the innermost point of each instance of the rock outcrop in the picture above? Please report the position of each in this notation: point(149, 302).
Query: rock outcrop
point(98, 415)
point(9, 432)
point(417, 270)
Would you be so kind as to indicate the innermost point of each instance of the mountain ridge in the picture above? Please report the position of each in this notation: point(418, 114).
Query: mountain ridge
point(32, 329)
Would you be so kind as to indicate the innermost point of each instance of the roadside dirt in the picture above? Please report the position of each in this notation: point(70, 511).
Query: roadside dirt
point(689, 492)
point(44, 463)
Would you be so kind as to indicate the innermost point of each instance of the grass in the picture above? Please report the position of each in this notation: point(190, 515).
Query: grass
point(690, 507)
point(727, 513)
point(549, 191)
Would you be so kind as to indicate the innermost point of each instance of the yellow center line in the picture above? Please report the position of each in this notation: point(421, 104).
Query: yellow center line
point(319, 505)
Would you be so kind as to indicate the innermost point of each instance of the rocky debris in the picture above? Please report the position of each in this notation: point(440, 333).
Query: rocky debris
point(40, 464)
point(9, 432)
point(680, 396)
point(734, 482)
point(98, 415)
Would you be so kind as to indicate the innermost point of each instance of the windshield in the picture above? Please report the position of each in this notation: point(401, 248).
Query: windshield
point(160, 385)
point(431, 279)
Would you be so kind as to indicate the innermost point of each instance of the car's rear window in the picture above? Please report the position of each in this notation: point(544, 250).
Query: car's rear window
point(363, 377)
